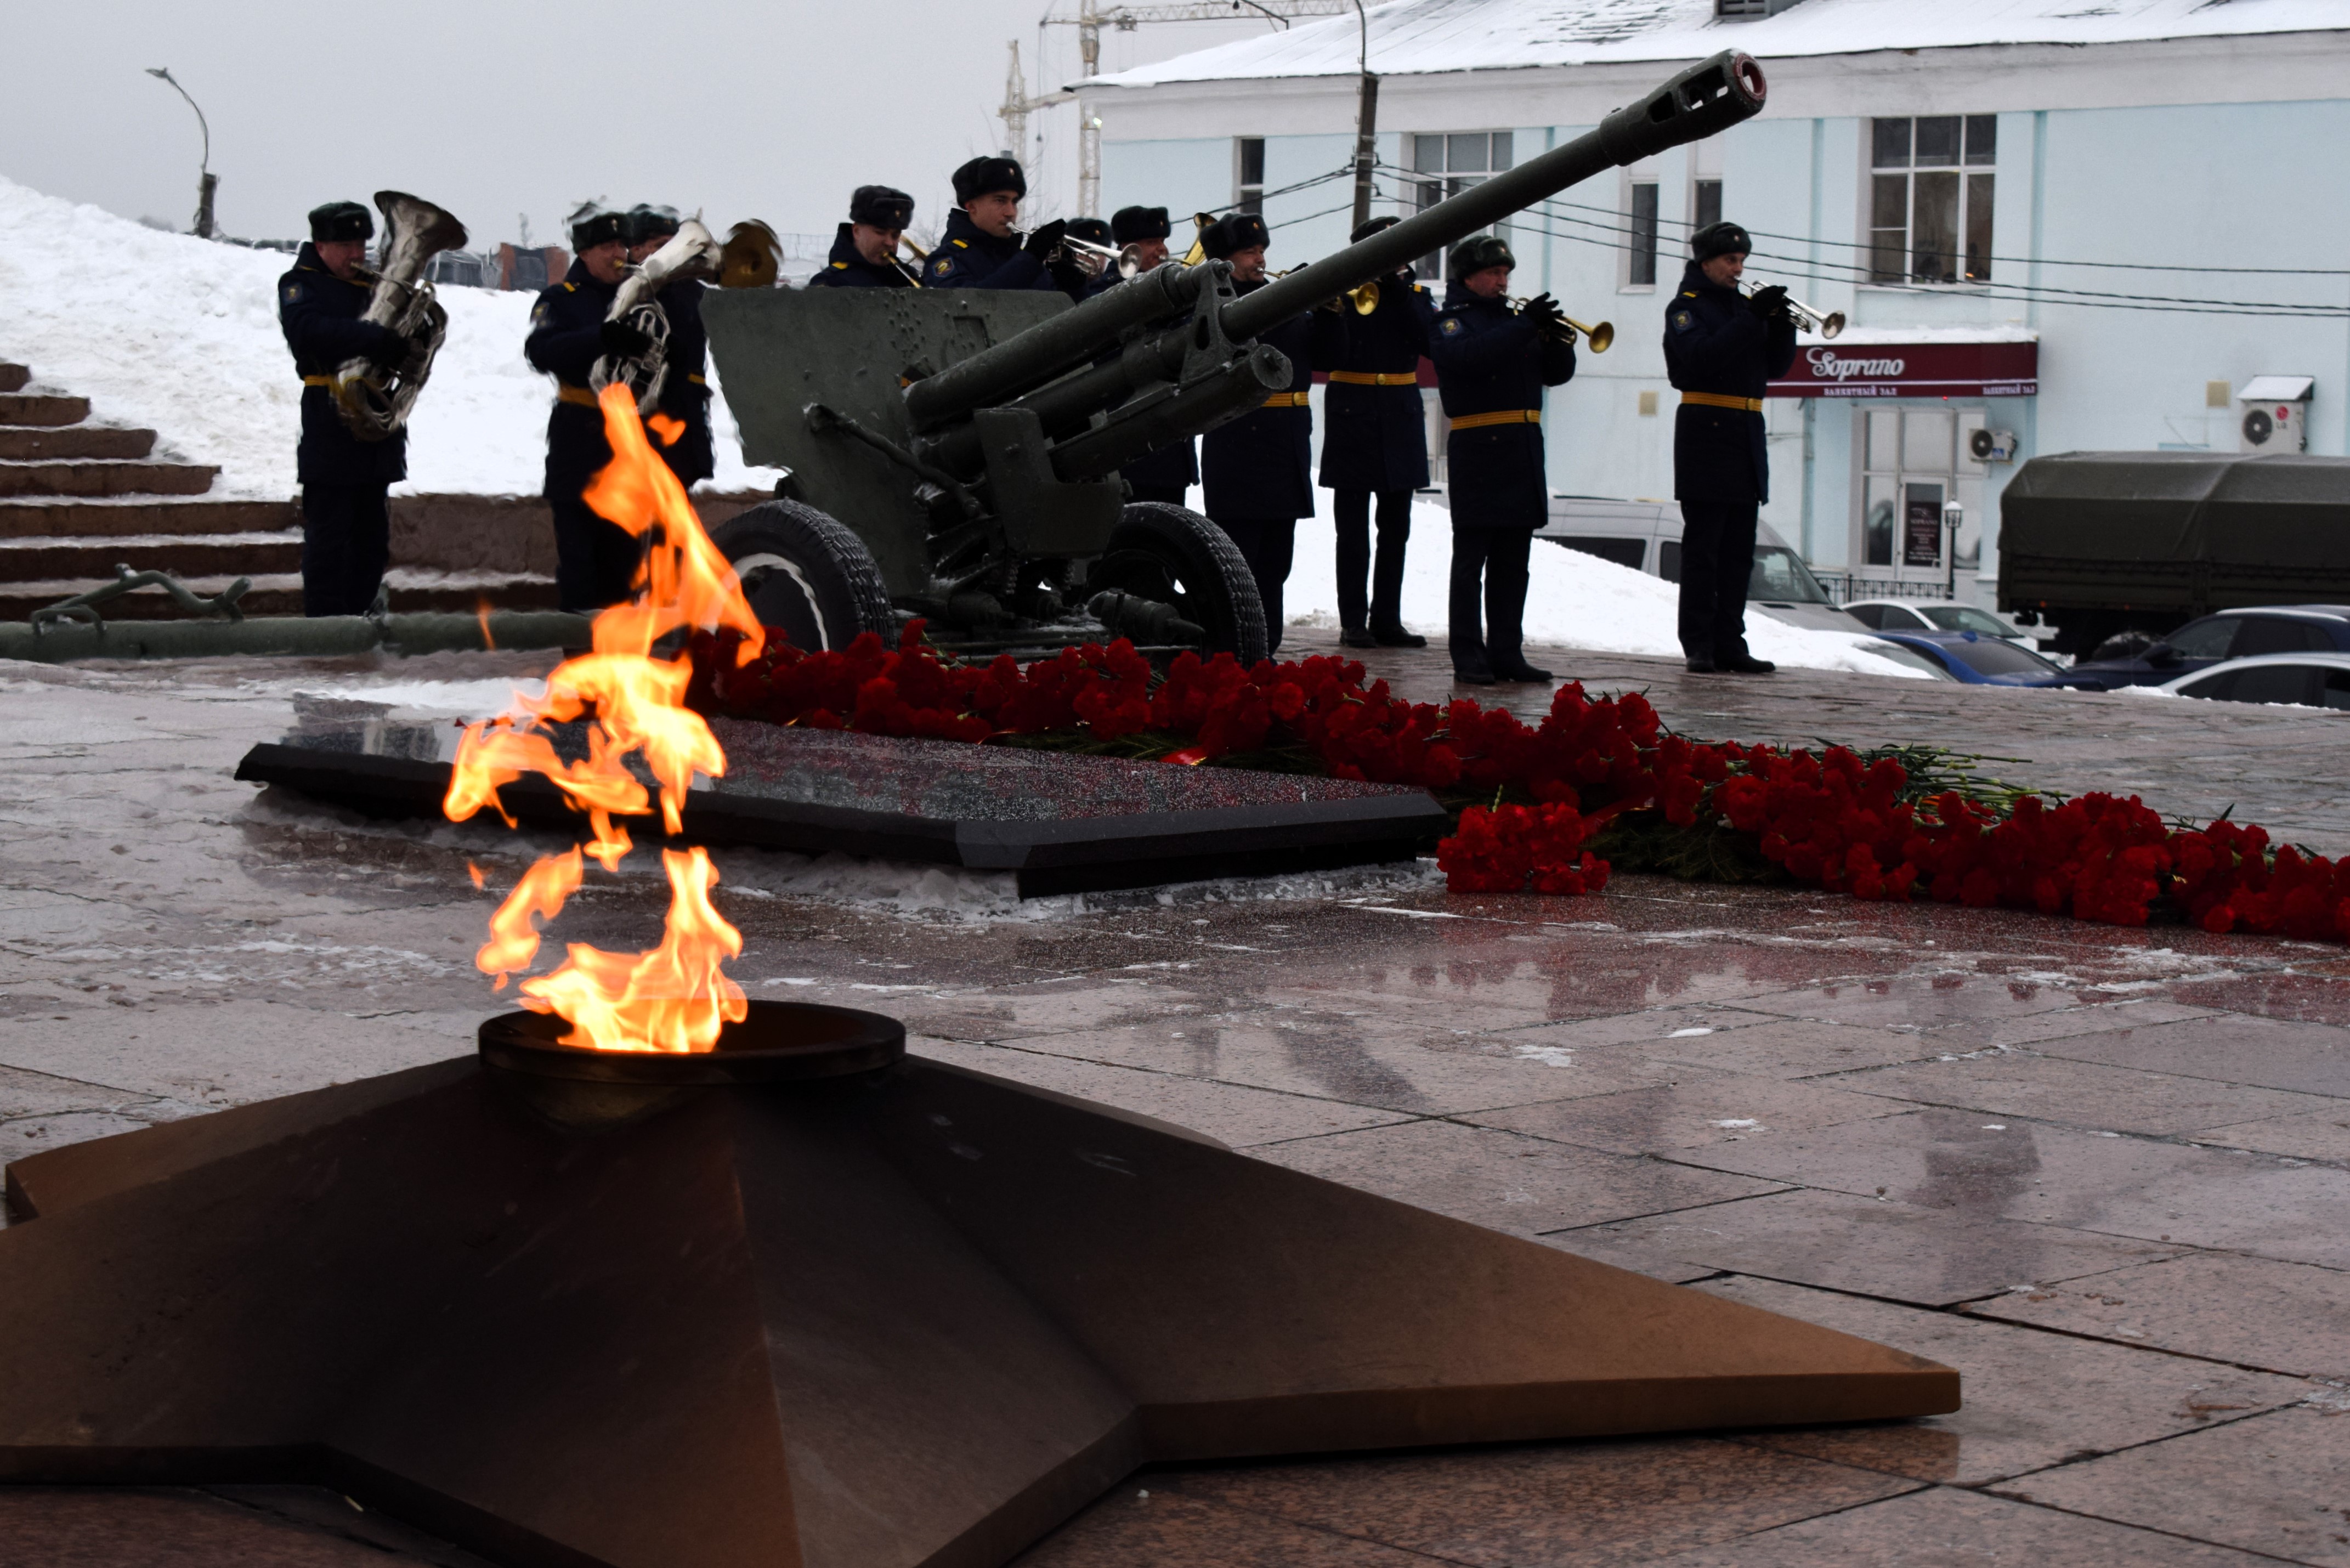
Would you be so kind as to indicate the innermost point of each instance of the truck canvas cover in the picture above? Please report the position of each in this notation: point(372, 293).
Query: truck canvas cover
point(2186, 530)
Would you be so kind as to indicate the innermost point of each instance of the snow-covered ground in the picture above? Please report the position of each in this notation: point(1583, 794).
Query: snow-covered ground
point(181, 336)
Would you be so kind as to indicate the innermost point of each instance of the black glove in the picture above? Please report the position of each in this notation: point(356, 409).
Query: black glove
point(622, 341)
point(1768, 302)
point(1044, 241)
point(1542, 312)
point(390, 351)
point(1070, 276)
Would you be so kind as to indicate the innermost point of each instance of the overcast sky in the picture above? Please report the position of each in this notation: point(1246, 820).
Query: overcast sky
point(738, 108)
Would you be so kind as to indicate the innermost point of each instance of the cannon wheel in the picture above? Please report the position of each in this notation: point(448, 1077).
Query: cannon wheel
point(1179, 557)
point(807, 575)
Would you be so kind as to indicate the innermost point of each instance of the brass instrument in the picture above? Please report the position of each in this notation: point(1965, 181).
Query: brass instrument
point(1365, 299)
point(1809, 319)
point(913, 274)
point(1600, 335)
point(692, 252)
point(751, 258)
point(1199, 251)
point(372, 400)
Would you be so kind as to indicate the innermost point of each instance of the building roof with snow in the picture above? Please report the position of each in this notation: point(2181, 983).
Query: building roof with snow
point(1422, 38)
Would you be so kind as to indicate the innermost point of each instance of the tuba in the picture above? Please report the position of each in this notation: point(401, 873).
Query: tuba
point(372, 401)
point(692, 252)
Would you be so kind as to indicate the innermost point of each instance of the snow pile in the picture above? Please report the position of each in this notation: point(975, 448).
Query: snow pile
point(180, 335)
point(1573, 600)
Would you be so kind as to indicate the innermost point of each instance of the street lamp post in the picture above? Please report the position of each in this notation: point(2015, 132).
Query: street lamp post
point(206, 180)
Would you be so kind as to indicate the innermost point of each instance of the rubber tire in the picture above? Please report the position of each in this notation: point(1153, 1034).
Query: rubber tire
point(807, 575)
point(1175, 556)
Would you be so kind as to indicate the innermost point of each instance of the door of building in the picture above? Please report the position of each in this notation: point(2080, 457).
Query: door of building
point(1913, 463)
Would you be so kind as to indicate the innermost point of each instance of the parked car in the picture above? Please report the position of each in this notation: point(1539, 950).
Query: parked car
point(2310, 680)
point(1908, 658)
point(2230, 634)
point(1646, 536)
point(1937, 615)
point(1981, 660)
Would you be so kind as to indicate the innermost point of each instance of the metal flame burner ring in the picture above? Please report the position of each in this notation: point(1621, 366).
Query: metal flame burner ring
point(779, 1043)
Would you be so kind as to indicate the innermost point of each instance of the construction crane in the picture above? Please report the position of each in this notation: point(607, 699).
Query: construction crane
point(1092, 17)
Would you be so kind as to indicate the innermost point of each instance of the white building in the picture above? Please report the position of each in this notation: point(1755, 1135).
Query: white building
point(1970, 181)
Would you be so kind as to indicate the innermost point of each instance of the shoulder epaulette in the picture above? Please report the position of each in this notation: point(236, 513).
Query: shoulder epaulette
point(963, 244)
point(840, 266)
point(570, 288)
point(1688, 294)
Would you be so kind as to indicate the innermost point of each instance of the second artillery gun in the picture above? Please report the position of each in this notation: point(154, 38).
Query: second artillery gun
point(953, 454)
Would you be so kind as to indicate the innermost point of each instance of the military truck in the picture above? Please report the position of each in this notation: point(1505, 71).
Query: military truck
point(954, 454)
point(2106, 545)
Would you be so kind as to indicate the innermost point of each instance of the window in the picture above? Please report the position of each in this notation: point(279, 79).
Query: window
point(2205, 639)
point(1929, 201)
point(1993, 657)
point(1966, 618)
point(1705, 203)
point(1444, 166)
point(1668, 559)
point(1248, 188)
point(2299, 683)
point(1640, 243)
point(2275, 633)
point(1623, 552)
point(1778, 577)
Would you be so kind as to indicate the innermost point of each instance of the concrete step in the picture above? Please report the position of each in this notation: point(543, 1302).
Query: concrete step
point(33, 517)
point(39, 560)
point(104, 477)
point(39, 409)
point(412, 592)
point(12, 377)
point(35, 444)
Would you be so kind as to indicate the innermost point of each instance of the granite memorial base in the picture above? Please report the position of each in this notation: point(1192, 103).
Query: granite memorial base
point(568, 1309)
point(1060, 823)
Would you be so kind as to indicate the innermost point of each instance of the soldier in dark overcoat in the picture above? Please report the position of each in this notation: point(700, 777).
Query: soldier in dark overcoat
point(685, 389)
point(1256, 472)
point(1492, 362)
point(596, 561)
point(864, 249)
point(1722, 350)
point(982, 247)
point(1168, 472)
point(1375, 443)
point(345, 517)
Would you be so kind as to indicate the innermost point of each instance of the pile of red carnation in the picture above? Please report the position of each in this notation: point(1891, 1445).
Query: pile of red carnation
point(1538, 804)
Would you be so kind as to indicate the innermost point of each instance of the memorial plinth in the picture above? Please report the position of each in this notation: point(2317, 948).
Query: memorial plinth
point(813, 1311)
point(1059, 822)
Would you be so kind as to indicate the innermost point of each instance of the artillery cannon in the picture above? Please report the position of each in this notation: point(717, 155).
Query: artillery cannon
point(969, 439)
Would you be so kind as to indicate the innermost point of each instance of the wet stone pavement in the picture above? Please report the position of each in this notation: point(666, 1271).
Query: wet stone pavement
point(2104, 1173)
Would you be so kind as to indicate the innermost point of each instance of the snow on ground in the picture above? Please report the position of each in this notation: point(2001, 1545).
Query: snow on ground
point(180, 335)
point(1573, 600)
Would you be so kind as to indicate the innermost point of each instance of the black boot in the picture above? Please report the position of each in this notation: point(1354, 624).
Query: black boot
point(1472, 675)
point(1515, 667)
point(1700, 664)
point(1357, 638)
point(1744, 663)
point(1395, 637)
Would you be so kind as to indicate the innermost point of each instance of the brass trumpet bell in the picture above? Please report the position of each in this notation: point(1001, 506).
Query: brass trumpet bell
point(1365, 299)
point(1598, 337)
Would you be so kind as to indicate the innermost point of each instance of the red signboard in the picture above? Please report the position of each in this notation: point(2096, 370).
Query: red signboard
point(1912, 371)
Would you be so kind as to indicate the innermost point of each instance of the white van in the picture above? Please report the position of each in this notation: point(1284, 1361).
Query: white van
point(1646, 536)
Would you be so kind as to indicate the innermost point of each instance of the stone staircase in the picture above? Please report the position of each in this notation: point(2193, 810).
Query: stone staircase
point(77, 500)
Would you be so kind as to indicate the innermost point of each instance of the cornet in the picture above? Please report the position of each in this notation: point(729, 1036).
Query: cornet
point(1809, 319)
point(1599, 335)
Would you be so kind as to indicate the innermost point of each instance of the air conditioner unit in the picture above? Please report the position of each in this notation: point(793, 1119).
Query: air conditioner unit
point(1991, 446)
point(2276, 413)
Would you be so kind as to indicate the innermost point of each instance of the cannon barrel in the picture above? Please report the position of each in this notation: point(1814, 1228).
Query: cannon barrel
point(1700, 101)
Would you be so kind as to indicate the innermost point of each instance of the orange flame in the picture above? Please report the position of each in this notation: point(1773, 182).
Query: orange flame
point(674, 997)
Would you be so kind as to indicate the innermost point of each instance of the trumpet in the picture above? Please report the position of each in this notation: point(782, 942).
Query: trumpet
point(1127, 258)
point(1600, 335)
point(913, 274)
point(1827, 325)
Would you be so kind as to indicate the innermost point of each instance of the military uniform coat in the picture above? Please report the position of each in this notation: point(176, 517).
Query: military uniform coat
point(845, 268)
point(320, 315)
point(685, 391)
point(565, 340)
point(1714, 343)
point(969, 257)
point(1375, 437)
point(1260, 465)
point(1489, 361)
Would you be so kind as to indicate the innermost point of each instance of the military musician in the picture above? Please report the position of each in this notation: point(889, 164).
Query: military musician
point(1492, 361)
point(596, 561)
point(1167, 473)
point(1722, 349)
point(685, 389)
point(1099, 275)
point(1257, 471)
point(982, 247)
point(1375, 443)
point(865, 250)
point(345, 518)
